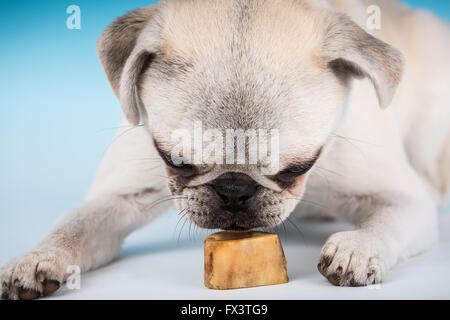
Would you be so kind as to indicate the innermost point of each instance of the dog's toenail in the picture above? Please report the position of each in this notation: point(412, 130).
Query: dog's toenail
point(353, 283)
point(50, 286)
point(326, 261)
point(26, 294)
point(334, 279)
point(339, 269)
point(349, 275)
point(319, 267)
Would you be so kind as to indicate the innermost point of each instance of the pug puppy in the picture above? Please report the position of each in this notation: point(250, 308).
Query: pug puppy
point(309, 70)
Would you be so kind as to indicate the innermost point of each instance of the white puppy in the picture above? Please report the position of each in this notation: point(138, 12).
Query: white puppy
point(300, 67)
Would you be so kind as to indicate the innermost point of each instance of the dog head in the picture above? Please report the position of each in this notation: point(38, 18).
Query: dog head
point(252, 66)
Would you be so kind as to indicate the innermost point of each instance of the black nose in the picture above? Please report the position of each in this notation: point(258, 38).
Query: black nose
point(234, 189)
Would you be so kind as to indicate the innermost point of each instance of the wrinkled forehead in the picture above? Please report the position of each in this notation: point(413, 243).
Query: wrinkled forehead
point(244, 65)
point(277, 28)
point(269, 32)
point(236, 57)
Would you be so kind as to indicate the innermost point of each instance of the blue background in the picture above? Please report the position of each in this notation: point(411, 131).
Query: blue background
point(57, 113)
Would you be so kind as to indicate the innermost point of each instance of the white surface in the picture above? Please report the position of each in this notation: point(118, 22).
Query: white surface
point(153, 266)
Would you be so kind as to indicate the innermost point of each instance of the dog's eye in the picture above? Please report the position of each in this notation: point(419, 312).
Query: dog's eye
point(182, 167)
point(288, 175)
point(295, 171)
point(291, 173)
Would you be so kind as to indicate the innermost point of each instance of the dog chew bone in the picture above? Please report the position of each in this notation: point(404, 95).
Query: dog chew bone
point(243, 259)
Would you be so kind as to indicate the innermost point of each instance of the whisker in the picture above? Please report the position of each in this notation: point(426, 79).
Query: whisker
point(181, 214)
point(189, 232)
point(276, 225)
point(120, 135)
point(330, 171)
point(354, 139)
point(113, 128)
point(314, 204)
point(352, 144)
point(181, 230)
point(310, 202)
point(125, 132)
point(197, 231)
point(165, 199)
point(150, 169)
point(284, 227)
point(147, 159)
point(323, 176)
point(298, 229)
point(160, 176)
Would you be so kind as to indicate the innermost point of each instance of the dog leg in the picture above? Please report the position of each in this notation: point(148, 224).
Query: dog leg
point(129, 190)
point(391, 231)
point(88, 236)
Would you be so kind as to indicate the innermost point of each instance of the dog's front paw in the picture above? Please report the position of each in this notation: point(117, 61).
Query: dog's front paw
point(352, 259)
point(35, 274)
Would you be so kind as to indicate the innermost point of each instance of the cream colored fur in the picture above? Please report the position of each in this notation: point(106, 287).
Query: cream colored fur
point(386, 170)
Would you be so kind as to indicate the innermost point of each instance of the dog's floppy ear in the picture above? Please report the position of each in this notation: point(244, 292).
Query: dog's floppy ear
point(122, 60)
point(349, 50)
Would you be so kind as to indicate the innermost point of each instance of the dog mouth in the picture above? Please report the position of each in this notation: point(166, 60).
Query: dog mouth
point(232, 221)
point(236, 228)
point(243, 221)
point(207, 210)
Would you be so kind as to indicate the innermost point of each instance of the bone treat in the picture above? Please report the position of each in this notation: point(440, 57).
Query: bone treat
point(243, 259)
